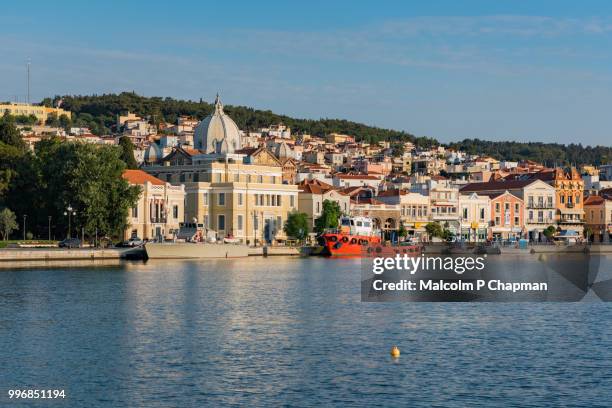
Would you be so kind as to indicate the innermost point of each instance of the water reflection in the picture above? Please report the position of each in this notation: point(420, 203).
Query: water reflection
point(287, 331)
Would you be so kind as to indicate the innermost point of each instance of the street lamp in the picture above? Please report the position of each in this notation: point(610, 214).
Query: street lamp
point(24, 226)
point(49, 228)
point(69, 211)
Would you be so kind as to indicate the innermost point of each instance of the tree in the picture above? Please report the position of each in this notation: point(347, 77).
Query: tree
point(588, 232)
point(65, 122)
point(127, 152)
point(434, 229)
point(8, 223)
point(402, 231)
point(329, 216)
point(549, 232)
point(52, 120)
point(296, 225)
point(9, 134)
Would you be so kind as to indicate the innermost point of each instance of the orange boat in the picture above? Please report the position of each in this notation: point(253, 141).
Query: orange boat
point(353, 238)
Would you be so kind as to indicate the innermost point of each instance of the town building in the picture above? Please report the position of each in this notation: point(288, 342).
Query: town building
point(507, 216)
point(444, 204)
point(539, 200)
point(159, 210)
point(598, 217)
point(474, 217)
point(311, 195)
point(233, 192)
point(414, 209)
point(41, 112)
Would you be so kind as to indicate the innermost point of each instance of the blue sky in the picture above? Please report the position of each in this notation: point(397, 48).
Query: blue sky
point(496, 70)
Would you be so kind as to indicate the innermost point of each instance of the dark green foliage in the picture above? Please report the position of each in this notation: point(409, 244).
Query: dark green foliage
point(550, 154)
point(85, 176)
point(329, 216)
point(100, 111)
point(127, 152)
point(296, 225)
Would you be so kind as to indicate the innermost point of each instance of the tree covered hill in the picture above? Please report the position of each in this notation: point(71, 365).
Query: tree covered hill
point(550, 154)
point(98, 112)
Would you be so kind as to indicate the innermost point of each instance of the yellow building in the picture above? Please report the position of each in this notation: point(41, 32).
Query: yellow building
point(231, 197)
point(41, 112)
point(339, 138)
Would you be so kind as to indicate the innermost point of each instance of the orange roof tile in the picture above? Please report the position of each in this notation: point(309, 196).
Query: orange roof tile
point(141, 177)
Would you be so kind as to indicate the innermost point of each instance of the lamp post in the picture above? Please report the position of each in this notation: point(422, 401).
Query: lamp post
point(49, 228)
point(69, 211)
point(24, 226)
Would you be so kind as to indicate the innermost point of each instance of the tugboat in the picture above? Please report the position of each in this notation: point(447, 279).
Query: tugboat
point(354, 236)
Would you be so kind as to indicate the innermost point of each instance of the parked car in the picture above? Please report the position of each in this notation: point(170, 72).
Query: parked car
point(70, 243)
point(134, 242)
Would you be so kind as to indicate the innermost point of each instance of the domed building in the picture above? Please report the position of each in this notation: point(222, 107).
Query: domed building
point(153, 154)
point(217, 133)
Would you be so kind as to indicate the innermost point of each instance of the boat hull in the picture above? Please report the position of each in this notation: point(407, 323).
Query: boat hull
point(347, 245)
point(195, 251)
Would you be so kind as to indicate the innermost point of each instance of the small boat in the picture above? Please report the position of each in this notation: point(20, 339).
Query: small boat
point(353, 238)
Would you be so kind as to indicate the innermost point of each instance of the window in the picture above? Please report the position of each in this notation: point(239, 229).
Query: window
point(562, 199)
point(175, 212)
point(507, 206)
point(205, 198)
point(516, 207)
point(465, 213)
point(135, 212)
point(516, 220)
point(292, 201)
point(236, 177)
point(482, 213)
point(260, 179)
point(496, 207)
point(278, 200)
point(248, 178)
point(221, 199)
point(239, 198)
point(239, 223)
point(318, 207)
point(218, 177)
point(530, 215)
point(550, 201)
point(577, 198)
point(221, 222)
point(497, 220)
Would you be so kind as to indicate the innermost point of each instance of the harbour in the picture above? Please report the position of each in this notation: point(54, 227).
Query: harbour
point(287, 331)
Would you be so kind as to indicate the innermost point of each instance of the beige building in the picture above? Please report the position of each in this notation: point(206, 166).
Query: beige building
point(474, 217)
point(26, 109)
point(311, 195)
point(232, 198)
point(414, 209)
point(159, 210)
point(598, 217)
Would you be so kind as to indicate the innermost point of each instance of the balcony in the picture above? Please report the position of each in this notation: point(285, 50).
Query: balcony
point(540, 221)
point(540, 206)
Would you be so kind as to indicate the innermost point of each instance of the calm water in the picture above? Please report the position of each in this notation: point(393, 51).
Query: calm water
point(286, 332)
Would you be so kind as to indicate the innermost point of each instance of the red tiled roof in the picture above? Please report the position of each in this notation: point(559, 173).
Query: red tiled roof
point(391, 193)
point(356, 177)
point(497, 185)
point(141, 177)
point(593, 200)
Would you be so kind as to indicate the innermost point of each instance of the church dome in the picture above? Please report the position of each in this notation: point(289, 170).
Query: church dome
point(217, 133)
point(153, 154)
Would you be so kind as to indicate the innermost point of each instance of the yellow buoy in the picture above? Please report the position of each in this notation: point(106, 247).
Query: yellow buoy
point(395, 351)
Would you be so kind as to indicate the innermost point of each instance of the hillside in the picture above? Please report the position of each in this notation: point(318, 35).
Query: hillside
point(98, 112)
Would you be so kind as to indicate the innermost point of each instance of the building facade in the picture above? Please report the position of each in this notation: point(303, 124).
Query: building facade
point(160, 208)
